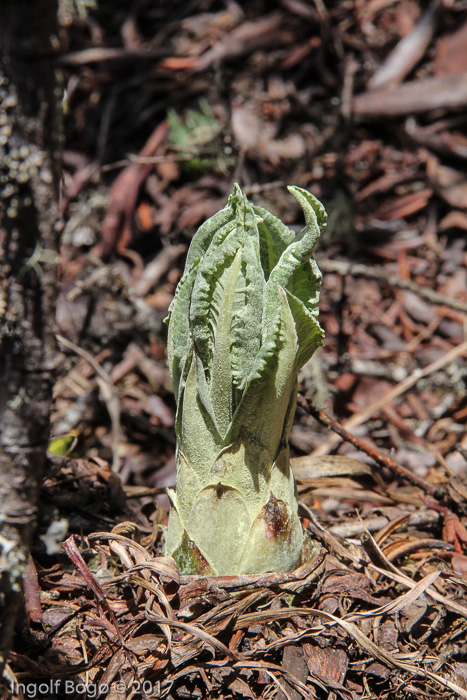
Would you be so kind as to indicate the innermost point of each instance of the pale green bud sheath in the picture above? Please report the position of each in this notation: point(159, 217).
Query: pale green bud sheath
point(242, 323)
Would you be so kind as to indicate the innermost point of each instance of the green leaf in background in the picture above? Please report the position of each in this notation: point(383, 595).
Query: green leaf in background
point(193, 135)
point(63, 445)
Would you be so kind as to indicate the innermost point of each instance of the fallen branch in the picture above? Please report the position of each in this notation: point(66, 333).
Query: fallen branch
point(401, 388)
point(375, 454)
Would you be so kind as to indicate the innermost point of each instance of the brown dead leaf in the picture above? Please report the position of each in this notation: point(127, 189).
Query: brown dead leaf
point(117, 223)
point(450, 184)
point(410, 49)
point(145, 216)
point(259, 136)
point(451, 53)
point(368, 391)
point(454, 219)
point(343, 583)
point(454, 532)
point(239, 687)
point(406, 205)
point(442, 137)
point(459, 564)
point(309, 467)
point(329, 665)
point(76, 483)
point(414, 97)
point(293, 662)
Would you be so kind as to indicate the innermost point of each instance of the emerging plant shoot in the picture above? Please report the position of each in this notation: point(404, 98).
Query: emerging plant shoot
point(242, 323)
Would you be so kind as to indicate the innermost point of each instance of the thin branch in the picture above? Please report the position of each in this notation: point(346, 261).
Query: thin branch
point(375, 454)
point(361, 417)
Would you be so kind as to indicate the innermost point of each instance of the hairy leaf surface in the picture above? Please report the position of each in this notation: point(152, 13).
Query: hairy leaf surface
point(243, 321)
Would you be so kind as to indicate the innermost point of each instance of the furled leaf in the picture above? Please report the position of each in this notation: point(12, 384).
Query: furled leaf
point(243, 321)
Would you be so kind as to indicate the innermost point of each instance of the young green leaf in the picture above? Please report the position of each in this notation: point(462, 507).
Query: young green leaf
point(243, 321)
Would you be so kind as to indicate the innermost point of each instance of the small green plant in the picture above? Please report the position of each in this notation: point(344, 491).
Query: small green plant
point(195, 136)
point(242, 323)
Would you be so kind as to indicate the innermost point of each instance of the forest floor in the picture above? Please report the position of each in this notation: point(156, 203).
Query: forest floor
point(167, 105)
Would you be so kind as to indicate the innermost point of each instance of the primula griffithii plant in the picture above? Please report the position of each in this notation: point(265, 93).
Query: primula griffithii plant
point(242, 323)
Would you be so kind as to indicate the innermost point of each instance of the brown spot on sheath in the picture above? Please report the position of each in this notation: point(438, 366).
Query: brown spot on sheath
point(220, 489)
point(276, 517)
